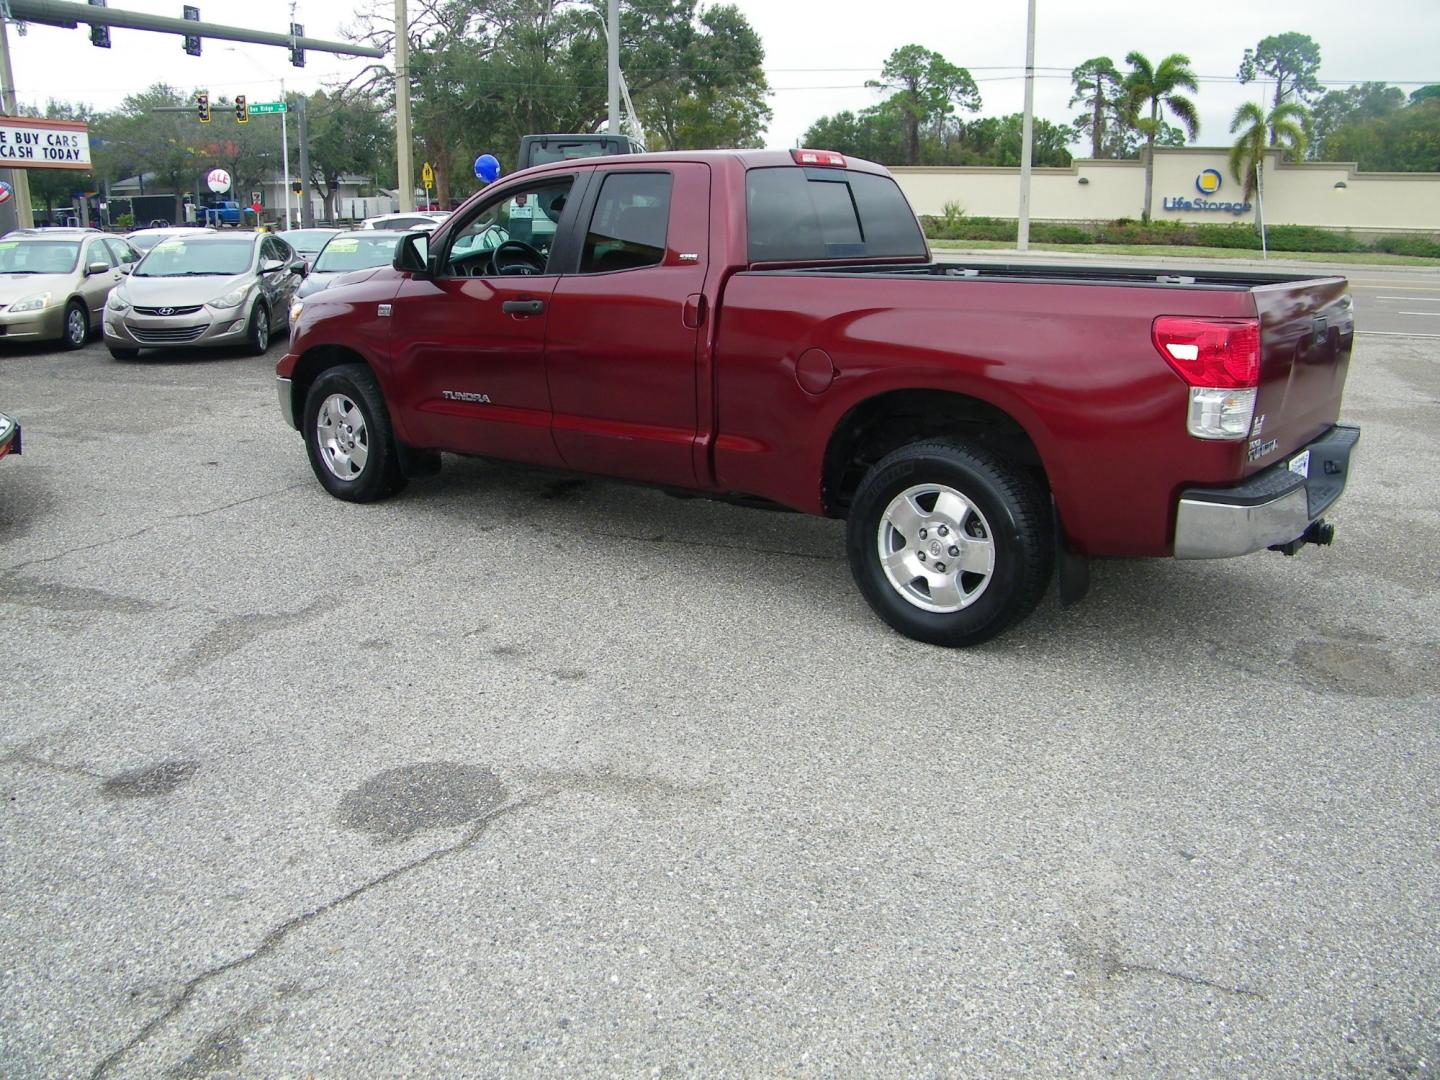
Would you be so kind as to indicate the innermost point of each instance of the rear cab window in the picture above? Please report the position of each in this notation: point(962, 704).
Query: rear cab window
point(797, 214)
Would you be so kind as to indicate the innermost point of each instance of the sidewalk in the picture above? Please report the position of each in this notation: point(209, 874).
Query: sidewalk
point(1276, 262)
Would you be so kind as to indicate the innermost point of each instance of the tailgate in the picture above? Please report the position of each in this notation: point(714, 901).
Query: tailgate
point(1307, 329)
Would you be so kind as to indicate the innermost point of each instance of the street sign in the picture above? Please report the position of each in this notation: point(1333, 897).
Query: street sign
point(262, 108)
point(427, 176)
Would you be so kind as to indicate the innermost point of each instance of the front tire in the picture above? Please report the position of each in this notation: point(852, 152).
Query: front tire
point(949, 543)
point(348, 436)
point(76, 330)
point(257, 336)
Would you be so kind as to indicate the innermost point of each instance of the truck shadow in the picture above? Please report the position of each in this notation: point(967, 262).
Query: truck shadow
point(1135, 608)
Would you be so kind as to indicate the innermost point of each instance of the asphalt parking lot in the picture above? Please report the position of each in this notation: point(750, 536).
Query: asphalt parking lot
point(517, 774)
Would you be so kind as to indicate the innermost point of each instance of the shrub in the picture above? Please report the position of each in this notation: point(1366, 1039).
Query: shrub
point(1309, 238)
point(1420, 247)
point(125, 222)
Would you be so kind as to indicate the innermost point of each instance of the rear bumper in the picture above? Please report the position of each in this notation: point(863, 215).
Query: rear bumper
point(1275, 506)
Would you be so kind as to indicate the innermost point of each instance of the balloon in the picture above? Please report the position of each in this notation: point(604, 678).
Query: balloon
point(487, 168)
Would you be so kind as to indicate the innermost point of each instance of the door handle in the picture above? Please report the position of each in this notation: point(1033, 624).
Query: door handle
point(523, 307)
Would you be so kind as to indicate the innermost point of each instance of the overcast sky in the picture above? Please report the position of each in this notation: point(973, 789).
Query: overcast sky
point(818, 52)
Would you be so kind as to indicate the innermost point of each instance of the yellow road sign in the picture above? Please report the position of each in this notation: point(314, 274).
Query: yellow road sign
point(427, 175)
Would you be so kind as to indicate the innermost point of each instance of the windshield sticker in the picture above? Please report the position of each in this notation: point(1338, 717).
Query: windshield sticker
point(6, 245)
point(170, 245)
point(344, 245)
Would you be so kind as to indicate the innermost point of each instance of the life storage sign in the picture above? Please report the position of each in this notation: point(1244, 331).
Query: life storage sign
point(27, 143)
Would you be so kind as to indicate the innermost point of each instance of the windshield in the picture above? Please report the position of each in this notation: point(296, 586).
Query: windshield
point(205, 257)
point(308, 241)
point(356, 253)
point(38, 256)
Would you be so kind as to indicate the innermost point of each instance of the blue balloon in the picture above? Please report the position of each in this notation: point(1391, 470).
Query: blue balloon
point(487, 168)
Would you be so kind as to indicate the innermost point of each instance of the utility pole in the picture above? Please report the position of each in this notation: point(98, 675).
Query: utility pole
point(285, 153)
point(19, 178)
point(307, 209)
point(612, 51)
point(404, 165)
point(1027, 133)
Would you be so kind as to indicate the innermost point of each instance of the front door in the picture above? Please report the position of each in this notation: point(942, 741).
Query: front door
point(468, 342)
point(623, 330)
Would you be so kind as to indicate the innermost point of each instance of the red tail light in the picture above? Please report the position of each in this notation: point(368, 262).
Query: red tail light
point(818, 157)
point(1220, 353)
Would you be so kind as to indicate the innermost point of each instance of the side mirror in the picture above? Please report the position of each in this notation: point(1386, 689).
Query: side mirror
point(271, 266)
point(412, 255)
point(97, 267)
point(300, 266)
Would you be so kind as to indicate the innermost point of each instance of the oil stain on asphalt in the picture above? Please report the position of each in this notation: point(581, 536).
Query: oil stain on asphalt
point(398, 803)
point(149, 782)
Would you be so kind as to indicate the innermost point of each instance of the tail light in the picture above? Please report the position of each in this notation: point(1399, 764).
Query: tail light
point(1220, 361)
point(818, 157)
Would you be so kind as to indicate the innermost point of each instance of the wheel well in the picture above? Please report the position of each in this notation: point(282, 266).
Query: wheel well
point(885, 423)
point(309, 367)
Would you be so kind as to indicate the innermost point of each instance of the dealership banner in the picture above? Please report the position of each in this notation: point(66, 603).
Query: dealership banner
point(30, 143)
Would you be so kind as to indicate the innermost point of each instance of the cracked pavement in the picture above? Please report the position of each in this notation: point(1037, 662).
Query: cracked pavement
point(518, 773)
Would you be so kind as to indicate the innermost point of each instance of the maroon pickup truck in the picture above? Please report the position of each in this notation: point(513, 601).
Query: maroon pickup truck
point(769, 326)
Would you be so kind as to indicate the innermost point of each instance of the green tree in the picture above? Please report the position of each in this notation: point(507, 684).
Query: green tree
point(873, 134)
point(1292, 60)
point(1425, 93)
point(1367, 101)
point(1100, 90)
point(166, 145)
point(348, 135)
point(1283, 126)
point(927, 89)
point(1405, 140)
point(1152, 90)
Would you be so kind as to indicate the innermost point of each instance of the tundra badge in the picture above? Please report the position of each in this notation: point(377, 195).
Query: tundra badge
point(383, 311)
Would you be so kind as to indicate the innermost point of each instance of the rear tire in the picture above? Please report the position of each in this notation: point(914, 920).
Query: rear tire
point(949, 543)
point(76, 329)
point(348, 436)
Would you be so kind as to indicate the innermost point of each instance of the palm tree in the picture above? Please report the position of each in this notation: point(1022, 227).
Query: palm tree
point(1284, 127)
point(1151, 89)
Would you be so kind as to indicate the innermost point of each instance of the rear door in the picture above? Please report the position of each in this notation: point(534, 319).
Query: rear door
point(96, 287)
point(623, 330)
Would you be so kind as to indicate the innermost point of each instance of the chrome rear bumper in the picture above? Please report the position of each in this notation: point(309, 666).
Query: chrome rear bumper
point(1273, 507)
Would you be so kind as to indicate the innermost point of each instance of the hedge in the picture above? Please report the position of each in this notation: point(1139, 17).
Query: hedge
point(1128, 231)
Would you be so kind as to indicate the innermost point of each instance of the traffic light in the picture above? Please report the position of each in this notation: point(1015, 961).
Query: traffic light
point(99, 35)
point(295, 186)
point(297, 54)
point(202, 106)
point(242, 109)
point(192, 41)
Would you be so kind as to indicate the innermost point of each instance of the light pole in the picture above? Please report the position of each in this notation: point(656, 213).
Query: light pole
point(19, 178)
point(612, 62)
point(404, 164)
point(1027, 132)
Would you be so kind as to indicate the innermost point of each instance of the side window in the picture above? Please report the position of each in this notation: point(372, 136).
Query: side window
point(627, 230)
point(98, 252)
point(121, 252)
point(523, 222)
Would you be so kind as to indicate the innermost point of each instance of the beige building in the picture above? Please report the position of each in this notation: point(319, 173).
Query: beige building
point(1192, 184)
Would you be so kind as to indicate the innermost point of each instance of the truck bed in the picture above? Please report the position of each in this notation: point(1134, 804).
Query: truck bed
point(1226, 279)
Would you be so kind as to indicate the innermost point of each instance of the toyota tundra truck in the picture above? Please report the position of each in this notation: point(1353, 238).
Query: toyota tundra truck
point(770, 327)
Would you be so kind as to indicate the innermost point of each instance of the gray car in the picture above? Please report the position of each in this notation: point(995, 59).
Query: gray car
point(349, 252)
point(200, 291)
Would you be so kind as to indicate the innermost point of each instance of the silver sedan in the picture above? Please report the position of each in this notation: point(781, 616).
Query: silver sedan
point(197, 291)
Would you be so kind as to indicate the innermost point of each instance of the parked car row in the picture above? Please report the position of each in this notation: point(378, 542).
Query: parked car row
point(62, 284)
